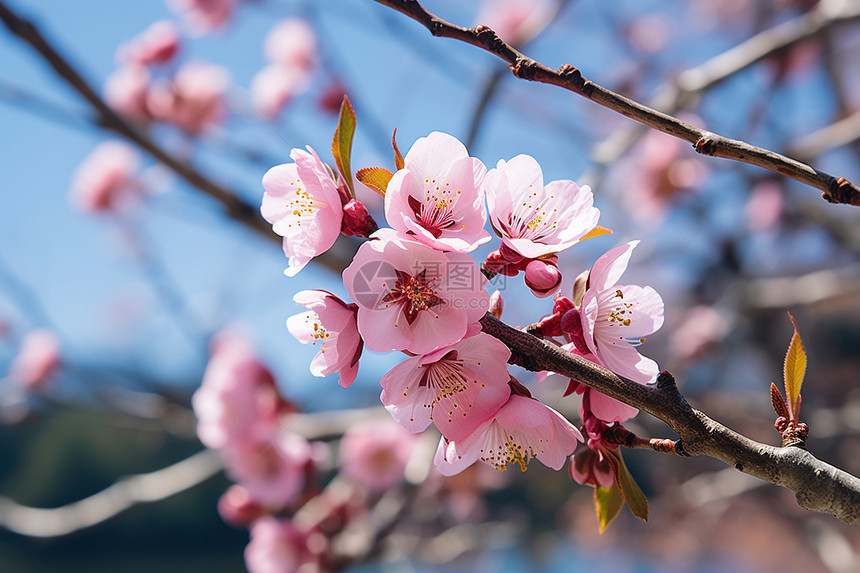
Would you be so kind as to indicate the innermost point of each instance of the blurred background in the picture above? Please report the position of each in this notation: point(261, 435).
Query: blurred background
point(120, 272)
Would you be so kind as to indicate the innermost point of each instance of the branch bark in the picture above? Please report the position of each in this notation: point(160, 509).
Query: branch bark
point(834, 189)
point(817, 485)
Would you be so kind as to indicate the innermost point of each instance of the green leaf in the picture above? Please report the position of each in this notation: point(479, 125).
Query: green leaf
point(794, 371)
point(636, 500)
point(608, 503)
point(376, 178)
point(341, 144)
point(398, 158)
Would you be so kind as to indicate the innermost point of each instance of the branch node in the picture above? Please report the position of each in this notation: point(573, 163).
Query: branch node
point(841, 190)
point(679, 449)
point(525, 68)
point(707, 144)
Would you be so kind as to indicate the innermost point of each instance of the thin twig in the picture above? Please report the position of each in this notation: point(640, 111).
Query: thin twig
point(835, 190)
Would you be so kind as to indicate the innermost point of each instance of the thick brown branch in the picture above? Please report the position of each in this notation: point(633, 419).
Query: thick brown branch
point(835, 190)
point(817, 485)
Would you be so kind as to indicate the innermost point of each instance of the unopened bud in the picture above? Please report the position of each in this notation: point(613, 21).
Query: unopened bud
point(542, 277)
point(356, 220)
point(497, 305)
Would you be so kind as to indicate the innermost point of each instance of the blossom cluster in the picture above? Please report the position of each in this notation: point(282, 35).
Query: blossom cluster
point(415, 288)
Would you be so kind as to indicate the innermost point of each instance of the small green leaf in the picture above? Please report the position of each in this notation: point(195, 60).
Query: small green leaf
point(398, 158)
point(778, 402)
point(794, 371)
point(341, 144)
point(636, 500)
point(376, 178)
point(608, 503)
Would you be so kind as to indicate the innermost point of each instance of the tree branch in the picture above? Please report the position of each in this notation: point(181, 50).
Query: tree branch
point(817, 485)
point(835, 190)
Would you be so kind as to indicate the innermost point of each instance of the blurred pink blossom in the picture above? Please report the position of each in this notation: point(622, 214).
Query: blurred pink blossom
point(204, 16)
point(271, 469)
point(238, 508)
point(157, 44)
point(277, 546)
point(437, 197)
point(37, 360)
point(764, 207)
point(193, 100)
point(106, 179)
point(516, 21)
point(274, 87)
point(292, 43)
point(702, 326)
point(331, 322)
point(375, 453)
point(126, 92)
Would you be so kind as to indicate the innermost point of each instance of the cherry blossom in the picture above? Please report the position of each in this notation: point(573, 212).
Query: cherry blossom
point(292, 43)
point(105, 180)
point(37, 360)
point(274, 87)
point(533, 219)
point(522, 429)
point(277, 546)
point(302, 204)
point(457, 387)
point(236, 507)
point(411, 296)
point(193, 100)
point(437, 196)
point(331, 322)
point(271, 469)
point(156, 45)
point(375, 453)
point(516, 21)
point(204, 16)
point(126, 92)
point(613, 315)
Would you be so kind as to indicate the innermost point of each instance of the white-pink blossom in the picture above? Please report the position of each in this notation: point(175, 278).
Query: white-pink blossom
point(614, 316)
point(271, 469)
point(155, 45)
point(106, 179)
point(534, 219)
point(332, 323)
point(375, 453)
point(193, 100)
point(457, 387)
point(277, 546)
point(37, 360)
point(292, 43)
point(437, 196)
point(204, 16)
point(413, 297)
point(302, 204)
point(126, 92)
point(522, 429)
point(274, 87)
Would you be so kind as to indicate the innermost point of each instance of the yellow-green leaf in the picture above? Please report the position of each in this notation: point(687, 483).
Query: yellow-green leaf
point(636, 500)
point(398, 157)
point(794, 371)
point(376, 178)
point(341, 143)
point(608, 503)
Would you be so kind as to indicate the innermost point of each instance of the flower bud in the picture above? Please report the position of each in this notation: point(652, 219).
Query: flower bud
point(542, 277)
point(497, 305)
point(356, 220)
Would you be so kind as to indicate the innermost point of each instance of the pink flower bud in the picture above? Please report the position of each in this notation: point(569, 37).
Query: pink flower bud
point(356, 220)
point(542, 277)
point(237, 508)
point(497, 304)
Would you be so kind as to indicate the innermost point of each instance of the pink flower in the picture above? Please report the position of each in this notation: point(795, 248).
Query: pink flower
point(536, 220)
point(272, 469)
point(126, 91)
point(155, 45)
point(411, 296)
point(204, 16)
point(302, 204)
point(522, 429)
point(274, 87)
point(105, 180)
point(236, 507)
point(516, 21)
point(592, 467)
point(437, 196)
point(237, 399)
point(277, 546)
point(374, 454)
point(292, 43)
point(193, 100)
point(612, 315)
point(37, 360)
point(458, 387)
point(332, 322)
